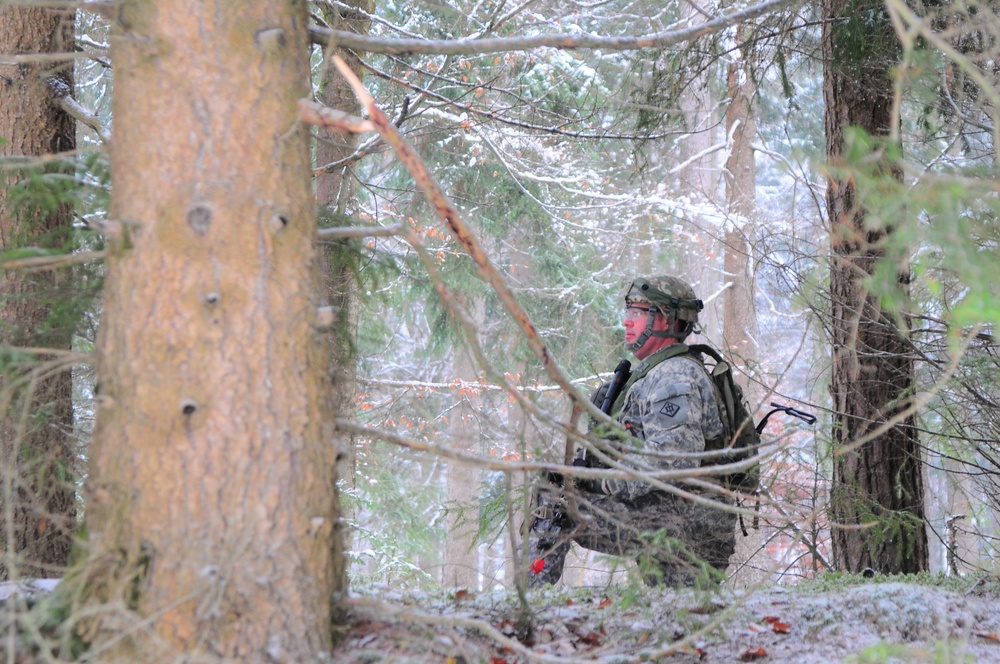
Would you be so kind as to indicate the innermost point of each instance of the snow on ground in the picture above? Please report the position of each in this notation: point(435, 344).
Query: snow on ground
point(841, 618)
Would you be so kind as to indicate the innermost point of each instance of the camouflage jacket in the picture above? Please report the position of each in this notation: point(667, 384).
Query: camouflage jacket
point(673, 408)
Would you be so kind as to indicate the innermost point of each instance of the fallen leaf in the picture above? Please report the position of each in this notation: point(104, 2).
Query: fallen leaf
point(780, 627)
point(498, 660)
point(591, 639)
point(989, 636)
point(753, 654)
point(706, 609)
point(604, 602)
point(461, 594)
point(771, 619)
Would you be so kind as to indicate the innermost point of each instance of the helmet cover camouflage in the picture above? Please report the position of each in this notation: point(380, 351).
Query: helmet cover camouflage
point(666, 292)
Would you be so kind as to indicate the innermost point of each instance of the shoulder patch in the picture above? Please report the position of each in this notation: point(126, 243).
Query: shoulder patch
point(670, 409)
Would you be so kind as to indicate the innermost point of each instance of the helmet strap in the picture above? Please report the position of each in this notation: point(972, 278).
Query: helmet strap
point(646, 333)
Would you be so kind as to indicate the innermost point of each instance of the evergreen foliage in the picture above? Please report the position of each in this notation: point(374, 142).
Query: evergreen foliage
point(563, 162)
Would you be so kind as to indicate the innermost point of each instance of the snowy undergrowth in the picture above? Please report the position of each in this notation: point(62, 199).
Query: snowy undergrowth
point(833, 619)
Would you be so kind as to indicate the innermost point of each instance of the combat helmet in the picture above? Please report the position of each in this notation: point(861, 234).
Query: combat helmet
point(673, 297)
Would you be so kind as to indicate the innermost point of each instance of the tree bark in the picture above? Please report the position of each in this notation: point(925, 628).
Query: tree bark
point(37, 500)
point(211, 498)
point(337, 197)
point(877, 493)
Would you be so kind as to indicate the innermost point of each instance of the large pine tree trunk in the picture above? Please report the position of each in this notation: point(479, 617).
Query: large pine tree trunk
point(877, 493)
point(212, 478)
point(36, 452)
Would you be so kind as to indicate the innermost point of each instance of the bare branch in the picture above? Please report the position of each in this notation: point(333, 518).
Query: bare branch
point(61, 91)
point(51, 262)
point(324, 116)
point(659, 40)
point(348, 232)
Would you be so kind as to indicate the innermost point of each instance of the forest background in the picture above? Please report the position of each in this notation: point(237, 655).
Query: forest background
point(822, 173)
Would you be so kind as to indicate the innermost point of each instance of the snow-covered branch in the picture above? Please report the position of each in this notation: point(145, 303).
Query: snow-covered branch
point(659, 40)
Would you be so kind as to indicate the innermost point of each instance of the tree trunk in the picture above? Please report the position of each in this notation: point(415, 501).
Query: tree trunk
point(739, 312)
point(461, 555)
point(212, 503)
point(739, 322)
point(877, 494)
point(337, 197)
point(37, 499)
point(698, 260)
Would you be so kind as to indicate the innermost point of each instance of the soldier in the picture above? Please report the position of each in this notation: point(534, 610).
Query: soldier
point(671, 405)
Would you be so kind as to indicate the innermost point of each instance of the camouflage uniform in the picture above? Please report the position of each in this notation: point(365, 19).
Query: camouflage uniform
point(673, 408)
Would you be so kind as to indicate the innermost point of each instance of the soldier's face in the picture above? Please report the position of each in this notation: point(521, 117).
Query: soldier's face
point(636, 316)
point(635, 323)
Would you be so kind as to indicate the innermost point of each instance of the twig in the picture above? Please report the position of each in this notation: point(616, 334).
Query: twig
point(51, 262)
point(472, 623)
point(348, 232)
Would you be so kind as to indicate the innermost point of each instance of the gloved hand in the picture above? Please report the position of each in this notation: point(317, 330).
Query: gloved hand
point(597, 398)
point(554, 478)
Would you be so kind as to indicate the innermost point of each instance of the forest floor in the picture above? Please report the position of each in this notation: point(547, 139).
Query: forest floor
point(837, 618)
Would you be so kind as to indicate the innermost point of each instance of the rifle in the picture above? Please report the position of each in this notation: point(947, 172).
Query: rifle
point(622, 373)
point(614, 388)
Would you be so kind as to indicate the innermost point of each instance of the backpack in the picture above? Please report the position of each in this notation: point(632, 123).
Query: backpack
point(739, 433)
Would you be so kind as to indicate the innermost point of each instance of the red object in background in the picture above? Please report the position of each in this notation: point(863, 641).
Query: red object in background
point(537, 566)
